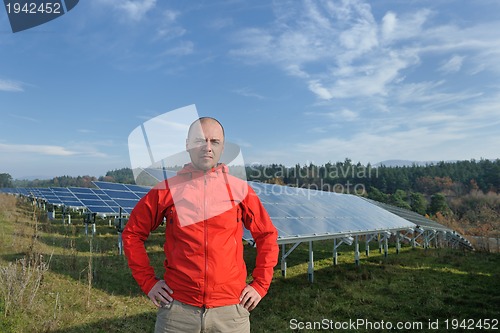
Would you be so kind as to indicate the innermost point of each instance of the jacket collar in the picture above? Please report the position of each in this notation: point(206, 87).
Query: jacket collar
point(190, 170)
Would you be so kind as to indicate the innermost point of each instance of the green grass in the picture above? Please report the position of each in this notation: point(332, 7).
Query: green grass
point(416, 285)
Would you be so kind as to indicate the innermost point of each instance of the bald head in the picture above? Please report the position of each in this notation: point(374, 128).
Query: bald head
point(205, 143)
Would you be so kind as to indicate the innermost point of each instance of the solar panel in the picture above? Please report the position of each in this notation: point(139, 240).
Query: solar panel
point(66, 197)
point(95, 203)
point(49, 196)
point(125, 196)
point(410, 216)
point(304, 214)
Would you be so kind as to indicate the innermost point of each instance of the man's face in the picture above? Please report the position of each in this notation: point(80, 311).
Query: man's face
point(205, 144)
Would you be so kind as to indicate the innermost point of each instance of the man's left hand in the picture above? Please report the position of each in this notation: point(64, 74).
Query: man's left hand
point(249, 298)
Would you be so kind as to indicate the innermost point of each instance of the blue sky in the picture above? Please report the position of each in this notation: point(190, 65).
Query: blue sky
point(292, 81)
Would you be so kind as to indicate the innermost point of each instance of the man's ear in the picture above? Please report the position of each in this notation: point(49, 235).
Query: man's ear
point(186, 144)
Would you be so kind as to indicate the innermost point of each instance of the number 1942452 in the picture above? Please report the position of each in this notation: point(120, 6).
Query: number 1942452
point(34, 8)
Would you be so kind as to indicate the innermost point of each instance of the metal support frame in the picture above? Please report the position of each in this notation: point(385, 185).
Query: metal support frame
point(356, 250)
point(65, 213)
point(347, 240)
point(411, 235)
point(310, 266)
point(120, 225)
point(89, 218)
point(285, 255)
point(398, 242)
point(369, 238)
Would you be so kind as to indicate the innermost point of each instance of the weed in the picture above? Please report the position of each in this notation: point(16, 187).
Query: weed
point(20, 282)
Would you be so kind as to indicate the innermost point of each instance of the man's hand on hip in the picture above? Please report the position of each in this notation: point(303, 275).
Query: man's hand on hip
point(160, 294)
point(249, 298)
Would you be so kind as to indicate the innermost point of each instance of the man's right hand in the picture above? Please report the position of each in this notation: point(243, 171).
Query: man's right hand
point(160, 294)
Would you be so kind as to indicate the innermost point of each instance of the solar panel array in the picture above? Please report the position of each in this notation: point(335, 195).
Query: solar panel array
point(108, 200)
point(299, 214)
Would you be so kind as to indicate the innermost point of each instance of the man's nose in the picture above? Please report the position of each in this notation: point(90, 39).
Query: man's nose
point(207, 146)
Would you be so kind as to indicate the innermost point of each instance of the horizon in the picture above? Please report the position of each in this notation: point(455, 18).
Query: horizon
point(294, 82)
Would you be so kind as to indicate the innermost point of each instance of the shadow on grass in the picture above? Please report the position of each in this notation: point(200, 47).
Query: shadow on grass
point(138, 323)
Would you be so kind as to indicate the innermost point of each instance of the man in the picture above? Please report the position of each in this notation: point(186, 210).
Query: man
point(204, 287)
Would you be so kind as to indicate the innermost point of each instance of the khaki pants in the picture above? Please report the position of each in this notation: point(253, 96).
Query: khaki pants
point(178, 317)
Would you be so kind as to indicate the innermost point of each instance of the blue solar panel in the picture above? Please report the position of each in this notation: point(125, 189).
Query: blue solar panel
point(66, 197)
point(126, 196)
point(304, 214)
point(94, 202)
point(111, 186)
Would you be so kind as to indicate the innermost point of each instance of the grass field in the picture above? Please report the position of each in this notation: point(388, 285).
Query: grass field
point(54, 278)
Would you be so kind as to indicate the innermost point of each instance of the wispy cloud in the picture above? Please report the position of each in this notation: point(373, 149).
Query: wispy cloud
point(168, 25)
point(85, 131)
point(134, 10)
point(182, 49)
point(247, 92)
point(220, 23)
point(454, 64)
point(34, 120)
point(11, 86)
point(341, 51)
point(87, 149)
point(36, 149)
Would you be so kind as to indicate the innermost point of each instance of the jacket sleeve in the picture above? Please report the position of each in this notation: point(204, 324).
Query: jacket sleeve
point(145, 217)
point(265, 235)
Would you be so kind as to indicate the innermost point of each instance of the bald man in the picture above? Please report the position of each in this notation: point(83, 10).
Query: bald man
point(204, 287)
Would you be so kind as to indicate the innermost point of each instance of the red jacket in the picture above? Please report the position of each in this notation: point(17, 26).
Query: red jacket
point(204, 214)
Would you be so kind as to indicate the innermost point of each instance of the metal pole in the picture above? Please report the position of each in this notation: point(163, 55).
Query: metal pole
point(120, 243)
point(398, 243)
point(356, 251)
point(386, 245)
point(310, 269)
point(335, 259)
point(283, 260)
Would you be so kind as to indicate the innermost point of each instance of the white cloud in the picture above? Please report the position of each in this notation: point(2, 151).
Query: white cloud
point(36, 149)
point(247, 92)
point(11, 86)
point(220, 23)
point(454, 64)
point(169, 28)
point(87, 149)
point(134, 10)
point(183, 48)
point(389, 25)
point(25, 118)
point(341, 51)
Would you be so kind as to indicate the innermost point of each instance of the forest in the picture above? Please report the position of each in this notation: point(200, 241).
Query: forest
point(463, 195)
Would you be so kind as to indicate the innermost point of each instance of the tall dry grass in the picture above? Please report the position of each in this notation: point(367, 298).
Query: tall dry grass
point(20, 282)
point(21, 279)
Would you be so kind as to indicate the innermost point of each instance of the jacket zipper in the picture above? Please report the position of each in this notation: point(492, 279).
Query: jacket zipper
point(205, 224)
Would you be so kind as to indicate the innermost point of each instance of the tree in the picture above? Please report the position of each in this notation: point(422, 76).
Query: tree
point(418, 203)
point(377, 195)
point(398, 199)
point(5, 180)
point(438, 205)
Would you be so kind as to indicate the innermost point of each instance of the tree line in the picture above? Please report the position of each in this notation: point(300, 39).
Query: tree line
point(463, 195)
